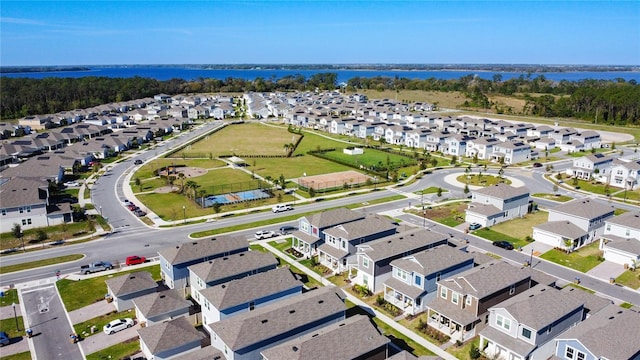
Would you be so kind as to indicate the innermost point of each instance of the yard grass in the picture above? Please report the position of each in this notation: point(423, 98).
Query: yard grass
point(630, 279)
point(10, 297)
point(583, 259)
point(370, 158)
point(629, 194)
point(450, 214)
point(78, 294)
point(462, 353)
point(596, 188)
point(40, 263)
point(492, 235)
point(9, 326)
point(429, 190)
point(402, 341)
point(118, 351)
point(19, 356)
point(57, 232)
point(484, 180)
point(553, 197)
point(83, 329)
point(520, 228)
point(444, 99)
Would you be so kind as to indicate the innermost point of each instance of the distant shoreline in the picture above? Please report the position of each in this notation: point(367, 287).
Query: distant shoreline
point(39, 69)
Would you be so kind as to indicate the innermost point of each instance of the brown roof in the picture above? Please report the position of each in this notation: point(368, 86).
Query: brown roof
point(131, 283)
point(159, 303)
point(233, 265)
point(169, 335)
point(203, 249)
point(333, 217)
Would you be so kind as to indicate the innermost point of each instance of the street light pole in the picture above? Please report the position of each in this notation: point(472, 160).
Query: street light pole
point(184, 214)
point(15, 316)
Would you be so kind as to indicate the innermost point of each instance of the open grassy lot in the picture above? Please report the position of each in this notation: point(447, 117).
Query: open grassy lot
point(78, 294)
point(629, 194)
point(295, 167)
point(492, 235)
point(584, 259)
point(119, 351)
point(39, 263)
point(10, 297)
point(630, 278)
point(452, 99)
point(521, 227)
point(241, 139)
point(429, 190)
point(370, 158)
point(19, 356)
point(554, 197)
point(482, 180)
point(450, 214)
point(146, 171)
point(57, 232)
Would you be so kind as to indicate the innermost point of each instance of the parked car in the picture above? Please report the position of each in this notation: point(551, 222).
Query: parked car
point(95, 267)
point(537, 165)
point(117, 325)
point(503, 244)
point(132, 206)
point(474, 226)
point(135, 260)
point(281, 207)
point(137, 162)
point(4, 338)
point(71, 184)
point(139, 212)
point(264, 234)
point(287, 229)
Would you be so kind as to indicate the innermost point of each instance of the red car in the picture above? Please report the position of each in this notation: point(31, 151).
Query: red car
point(135, 260)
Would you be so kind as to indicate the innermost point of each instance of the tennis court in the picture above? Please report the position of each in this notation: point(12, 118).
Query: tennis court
point(236, 197)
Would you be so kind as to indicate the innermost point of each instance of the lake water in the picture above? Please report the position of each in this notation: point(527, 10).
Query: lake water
point(166, 73)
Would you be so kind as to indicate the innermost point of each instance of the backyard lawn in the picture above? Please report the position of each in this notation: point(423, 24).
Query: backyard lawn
point(450, 214)
point(521, 227)
point(584, 259)
point(83, 329)
point(120, 351)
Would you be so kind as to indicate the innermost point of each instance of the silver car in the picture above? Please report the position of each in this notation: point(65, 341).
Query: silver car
point(117, 325)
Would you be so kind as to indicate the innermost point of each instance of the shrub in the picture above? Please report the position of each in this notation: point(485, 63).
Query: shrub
point(41, 235)
point(380, 300)
point(474, 353)
point(361, 290)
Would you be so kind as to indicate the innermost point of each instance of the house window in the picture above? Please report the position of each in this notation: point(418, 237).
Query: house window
point(26, 221)
point(4, 212)
point(252, 306)
point(401, 274)
point(443, 292)
point(21, 210)
point(344, 244)
point(608, 227)
point(627, 232)
point(28, 208)
point(512, 289)
point(418, 280)
point(468, 300)
point(454, 297)
point(503, 322)
point(365, 262)
point(438, 276)
point(526, 333)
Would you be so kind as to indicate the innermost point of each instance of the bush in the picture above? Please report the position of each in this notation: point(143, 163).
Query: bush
point(474, 353)
point(41, 235)
point(380, 300)
point(361, 290)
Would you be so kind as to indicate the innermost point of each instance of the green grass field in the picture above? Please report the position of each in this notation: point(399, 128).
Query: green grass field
point(630, 278)
point(19, 356)
point(583, 259)
point(493, 236)
point(370, 158)
point(554, 197)
point(39, 263)
point(521, 227)
point(119, 351)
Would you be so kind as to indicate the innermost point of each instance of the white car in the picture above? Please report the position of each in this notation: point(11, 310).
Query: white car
point(265, 234)
point(71, 184)
point(281, 207)
point(117, 325)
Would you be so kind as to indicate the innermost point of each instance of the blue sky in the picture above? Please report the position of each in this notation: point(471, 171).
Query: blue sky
point(313, 32)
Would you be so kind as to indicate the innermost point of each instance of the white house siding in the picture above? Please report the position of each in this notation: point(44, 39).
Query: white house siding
point(547, 238)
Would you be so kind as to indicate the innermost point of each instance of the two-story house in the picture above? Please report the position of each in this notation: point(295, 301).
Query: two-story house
point(245, 336)
point(573, 224)
point(247, 294)
point(173, 339)
point(125, 288)
point(523, 327)
point(460, 308)
point(413, 281)
point(310, 233)
point(625, 174)
point(224, 269)
point(596, 166)
point(161, 306)
point(620, 242)
point(23, 201)
point(511, 152)
point(340, 242)
point(494, 204)
point(482, 148)
point(175, 260)
point(374, 258)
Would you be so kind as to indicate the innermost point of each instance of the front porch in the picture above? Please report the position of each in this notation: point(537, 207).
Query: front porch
point(305, 244)
point(400, 300)
point(454, 330)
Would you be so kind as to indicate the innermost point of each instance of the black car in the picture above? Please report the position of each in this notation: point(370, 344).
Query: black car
point(287, 229)
point(503, 244)
point(537, 165)
point(137, 162)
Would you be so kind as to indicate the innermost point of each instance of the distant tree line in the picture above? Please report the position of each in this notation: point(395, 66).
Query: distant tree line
point(607, 102)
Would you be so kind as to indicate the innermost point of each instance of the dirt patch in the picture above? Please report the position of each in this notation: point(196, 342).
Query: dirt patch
point(188, 171)
point(333, 180)
point(166, 189)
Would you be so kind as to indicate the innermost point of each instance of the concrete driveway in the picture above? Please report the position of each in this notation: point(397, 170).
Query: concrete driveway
point(606, 270)
point(101, 340)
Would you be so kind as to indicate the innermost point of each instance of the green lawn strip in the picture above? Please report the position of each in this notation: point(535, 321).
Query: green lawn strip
point(118, 351)
point(626, 305)
point(630, 195)
point(54, 233)
point(402, 341)
point(83, 329)
point(370, 158)
point(554, 197)
point(19, 356)
point(576, 286)
point(78, 294)
point(282, 246)
point(595, 188)
point(261, 223)
point(462, 352)
point(40, 263)
point(8, 325)
point(583, 259)
point(10, 297)
point(630, 279)
point(429, 190)
point(492, 235)
point(484, 180)
point(297, 166)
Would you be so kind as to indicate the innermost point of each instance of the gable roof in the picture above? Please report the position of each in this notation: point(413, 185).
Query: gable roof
point(432, 260)
point(400, 243)
point(268, 322)
point(159, 303)
point(169, 335)
point(502, 191)
point(333, 217)
point(361, 228)
point(236, 292)
point(629, 219)
point(203, 249)
point(131, 283)
point(485, 280)
point(584, 208)
point(205, 353)
point(563, 228)
point(349, 339)
point(232, 265)
point(21, 191)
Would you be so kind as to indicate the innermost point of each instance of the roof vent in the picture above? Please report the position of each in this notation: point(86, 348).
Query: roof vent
point(177, 247)
point(241, 254)
point(225, 258)
point(412, 234)
point(163, 296)
point(223, 286)
point(291, 311)
point(619, 311)
point(210, 261)
point(194, 243)
point(213, 239)
point(320, 301)
point(294, 348)
point(264, 321)
point(611, 317)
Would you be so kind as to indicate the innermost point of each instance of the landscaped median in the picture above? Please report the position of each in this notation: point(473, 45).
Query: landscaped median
point(40, 263)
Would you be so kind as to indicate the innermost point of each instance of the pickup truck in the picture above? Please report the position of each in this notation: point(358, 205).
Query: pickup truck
point(95, 267)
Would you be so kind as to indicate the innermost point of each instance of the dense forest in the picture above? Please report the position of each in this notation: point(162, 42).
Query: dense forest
point(610, 102)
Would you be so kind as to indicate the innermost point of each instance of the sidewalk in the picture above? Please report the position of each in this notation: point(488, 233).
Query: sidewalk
point(91, 311)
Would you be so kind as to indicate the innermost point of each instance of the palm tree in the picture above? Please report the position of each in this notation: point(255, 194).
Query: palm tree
point(191, 185)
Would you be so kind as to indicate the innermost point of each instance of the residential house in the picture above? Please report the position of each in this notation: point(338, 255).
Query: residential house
point(541, 131)
point(563, 135)
point(175, 260)
point(310, 233)
point(123, 289)
point(374, 258)
point(436, 141)
point(625, 174)
point(24, 201)
point(339, 247)
point(494, 204)
point(456, 145)
point(573, 224)
point(36, 122)
point(589, 138)
point(247, 294)
point(620, 242)
point(524, 326)
point(460, 309)
point(610, 334)
point(161, 306)
point(545, 143)
point(170, 340)
point(227, 268)
point(511, 152)
point(351, 339)
point(245, 336)
point(482, 148)
point(596, 166)
point(413, 281)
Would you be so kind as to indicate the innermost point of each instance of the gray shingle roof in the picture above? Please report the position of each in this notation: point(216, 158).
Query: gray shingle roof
point(272, 320)
point(131, 283)
point(360, 228)
point(159, 303)
point(611, 333)
point(202, 249)
point(584, 208)
point(629, 219)
point(348, 339)
point(169, 335)
point(516, 345)
point(252, 287)
point(432, 260)
point(486, 279)
point(333, 217)
point(21, 191)
point(564, 228)
point(401, 243)
point(205, 353)
point(629, 245)
point(592, 303)
point(401, 286)
point(233, 265)
point(502, 191)
point(483, 209)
